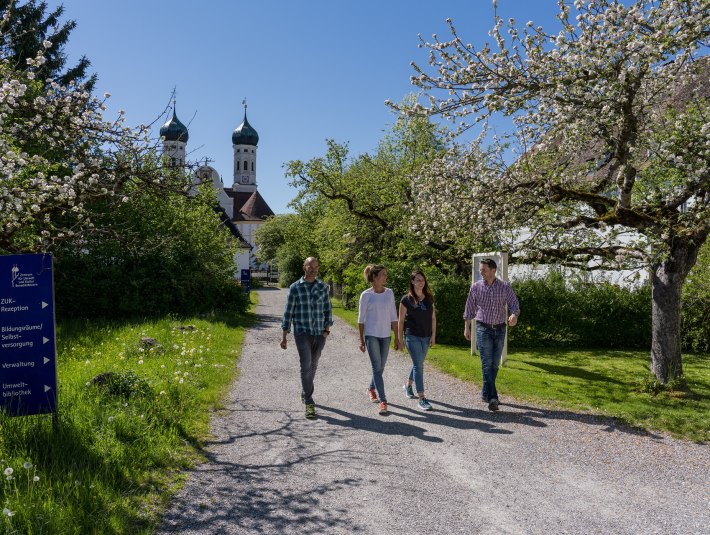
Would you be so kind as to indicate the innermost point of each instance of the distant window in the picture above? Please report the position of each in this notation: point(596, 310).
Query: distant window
point(252, 166)
point(172, 162)
point(237, 150)
point(246, 165)
point(237, 166)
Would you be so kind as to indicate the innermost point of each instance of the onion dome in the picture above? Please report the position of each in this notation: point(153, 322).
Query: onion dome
point(174, 130)
point(244, 134)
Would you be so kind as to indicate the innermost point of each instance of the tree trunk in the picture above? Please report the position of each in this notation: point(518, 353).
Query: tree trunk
point(667, 282)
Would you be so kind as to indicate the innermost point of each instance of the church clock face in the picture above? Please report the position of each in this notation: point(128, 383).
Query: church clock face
point(244, 179)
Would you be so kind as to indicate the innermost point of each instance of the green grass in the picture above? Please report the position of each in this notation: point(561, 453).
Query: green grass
point(610, 383)
point(119, 448)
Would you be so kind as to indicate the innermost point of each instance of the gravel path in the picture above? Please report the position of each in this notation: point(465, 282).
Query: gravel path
point(457, 469)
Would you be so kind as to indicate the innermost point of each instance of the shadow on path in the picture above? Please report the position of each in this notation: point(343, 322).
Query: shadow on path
point(607, 423)
point(261, 506)
point(467, 418)
point(382, 425)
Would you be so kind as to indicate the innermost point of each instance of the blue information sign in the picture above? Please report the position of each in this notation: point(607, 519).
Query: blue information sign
point(246, 279)
point(28, 371)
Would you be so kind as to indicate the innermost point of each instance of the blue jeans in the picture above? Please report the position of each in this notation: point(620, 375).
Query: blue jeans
point(417, 347)
point(377, 350)
point(490, 347)
point(309, 349)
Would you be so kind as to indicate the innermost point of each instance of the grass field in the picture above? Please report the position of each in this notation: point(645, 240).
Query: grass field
point(131, 417)
point(610, 383)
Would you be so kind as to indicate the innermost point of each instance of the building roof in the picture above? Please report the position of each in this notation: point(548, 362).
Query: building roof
point(174, 130)
point(254, 208)
point(245, 134)
point(234, 231)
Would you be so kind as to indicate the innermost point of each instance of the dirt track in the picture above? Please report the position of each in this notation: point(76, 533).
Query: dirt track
point(457, 469)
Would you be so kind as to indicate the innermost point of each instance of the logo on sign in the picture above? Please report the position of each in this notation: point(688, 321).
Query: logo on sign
point(21, 280)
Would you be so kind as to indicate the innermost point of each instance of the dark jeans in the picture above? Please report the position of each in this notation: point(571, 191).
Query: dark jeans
point(490, 347)
point(309, 348)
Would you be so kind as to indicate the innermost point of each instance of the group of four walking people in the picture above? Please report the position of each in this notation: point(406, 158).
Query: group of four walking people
point(309, 310)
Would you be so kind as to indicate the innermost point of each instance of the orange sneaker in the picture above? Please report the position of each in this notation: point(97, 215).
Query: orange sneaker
point(372, 393)
point(383, 407)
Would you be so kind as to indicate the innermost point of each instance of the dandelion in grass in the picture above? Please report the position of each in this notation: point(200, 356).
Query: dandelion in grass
point(7, 512)
point(110, 418)
point(140, 361)
point(181, 381)
point(35, 479)
point(162, 392)
point(8, 471)
point(27, 465)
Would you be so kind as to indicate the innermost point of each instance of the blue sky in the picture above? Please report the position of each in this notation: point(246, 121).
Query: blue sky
point(310, 70)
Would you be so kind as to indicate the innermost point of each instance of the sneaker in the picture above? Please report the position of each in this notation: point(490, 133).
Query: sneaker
point(493, 405)
point(408, 391)
point(383, 407)
point(311, 411)
point(372, 393)
point(424, 404)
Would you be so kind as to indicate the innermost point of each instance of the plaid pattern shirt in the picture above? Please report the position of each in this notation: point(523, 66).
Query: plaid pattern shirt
point(486, 303)
point(308, 307)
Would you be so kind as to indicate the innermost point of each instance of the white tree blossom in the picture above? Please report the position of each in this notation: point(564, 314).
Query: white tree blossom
point(57, 153)
point(609, 143)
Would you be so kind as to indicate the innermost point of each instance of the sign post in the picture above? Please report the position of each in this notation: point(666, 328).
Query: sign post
point(501, 260)
point(28, 352)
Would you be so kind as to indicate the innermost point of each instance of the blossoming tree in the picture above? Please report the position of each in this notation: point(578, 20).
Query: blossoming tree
point(57, 154)
point(609, 141)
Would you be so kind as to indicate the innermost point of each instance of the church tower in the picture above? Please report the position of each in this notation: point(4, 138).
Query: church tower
point(244, 141)
point(174, 136)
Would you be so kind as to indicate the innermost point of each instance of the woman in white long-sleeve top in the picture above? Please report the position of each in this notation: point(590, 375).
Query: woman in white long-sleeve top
point(377, 318)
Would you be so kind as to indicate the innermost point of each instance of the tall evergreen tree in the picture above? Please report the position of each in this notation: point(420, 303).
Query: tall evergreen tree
point(27, 27)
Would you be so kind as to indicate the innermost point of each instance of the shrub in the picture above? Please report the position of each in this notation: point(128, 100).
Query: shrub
point(575, 313)
point(290, 263)
point(153, 255)
point(450, 297)
point(695, 314)
point(555, 312)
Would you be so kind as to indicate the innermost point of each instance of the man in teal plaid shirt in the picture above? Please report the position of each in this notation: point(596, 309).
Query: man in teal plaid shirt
point(308, 307)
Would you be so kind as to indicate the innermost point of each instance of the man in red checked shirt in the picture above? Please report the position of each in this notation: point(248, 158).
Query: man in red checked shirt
point(486, 303)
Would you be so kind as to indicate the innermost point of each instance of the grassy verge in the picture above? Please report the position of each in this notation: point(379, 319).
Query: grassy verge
point(132, 415)
point(610, 383)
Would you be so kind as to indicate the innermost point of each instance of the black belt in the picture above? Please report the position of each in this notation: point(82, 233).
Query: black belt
point(489, 326)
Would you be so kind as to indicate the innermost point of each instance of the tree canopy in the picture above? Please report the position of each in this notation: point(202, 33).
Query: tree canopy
point(607, 160)
point(25, 28)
